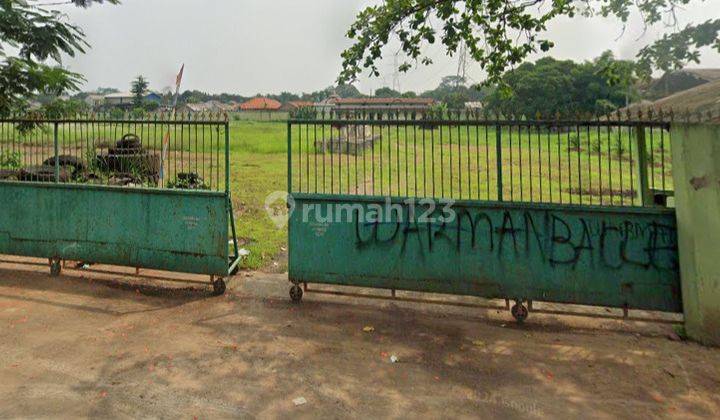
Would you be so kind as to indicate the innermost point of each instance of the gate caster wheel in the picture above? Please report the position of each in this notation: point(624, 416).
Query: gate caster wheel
point(218, 287)
point(519, 312)
point(55, 267)
point(296, 293)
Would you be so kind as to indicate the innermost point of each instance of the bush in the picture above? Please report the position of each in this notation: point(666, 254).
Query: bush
point(11, 160)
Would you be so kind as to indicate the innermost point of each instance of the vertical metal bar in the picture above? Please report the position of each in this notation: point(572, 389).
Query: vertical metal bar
point(579, 162)
point(499, 161)
point(642, 167)
point(442, 165)
point(512, 164)
point(300, 167)
point(662, 156)
point(289, 157)
point(609, 158)
point(57, 153)
point(227, 159)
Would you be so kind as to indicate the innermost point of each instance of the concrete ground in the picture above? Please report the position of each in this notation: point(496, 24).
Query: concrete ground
point(116, 346)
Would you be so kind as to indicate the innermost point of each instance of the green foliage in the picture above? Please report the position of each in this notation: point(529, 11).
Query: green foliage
point(10, 160)
point(619, 148)
point(386, 92)
point(117, 114)
point(138, 112)
point(454, 92)
point(438, 111)
point(304, 113)
point(59, 108)
point(39, 37)
point(500, 34)
point(550, 86)
point(151, 106)
point(574, 143)
point(138, 88)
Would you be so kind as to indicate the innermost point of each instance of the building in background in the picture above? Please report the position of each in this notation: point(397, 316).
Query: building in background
point(127, 99)
point(381, 106)
point(260, 104)
point(293, 106)
point(680, 80)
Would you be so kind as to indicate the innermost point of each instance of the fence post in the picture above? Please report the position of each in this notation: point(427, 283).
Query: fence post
point(289, 156)
point(498, 155)
point(227, 159)
point(644, 193)
point(56, 148)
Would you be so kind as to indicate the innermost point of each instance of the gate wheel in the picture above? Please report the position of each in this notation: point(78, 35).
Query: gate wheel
point(55, 267)
point(519, 312)
point(296, 293)
point(219, 287)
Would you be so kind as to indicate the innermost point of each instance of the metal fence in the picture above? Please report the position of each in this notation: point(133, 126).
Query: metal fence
point(607, 162)
point(153, 152)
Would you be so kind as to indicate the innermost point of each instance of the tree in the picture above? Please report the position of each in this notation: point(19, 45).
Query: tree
point(32, 39)
point(138, 88)
point(551, 86)
point(500, 34)
point(454, 92)
point(386, 92)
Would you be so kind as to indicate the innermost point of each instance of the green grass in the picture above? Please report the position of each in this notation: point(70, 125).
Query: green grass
point(258, 157)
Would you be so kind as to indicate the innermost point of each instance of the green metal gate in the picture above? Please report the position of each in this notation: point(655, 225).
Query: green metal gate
point(554, 211)
point(145, 193)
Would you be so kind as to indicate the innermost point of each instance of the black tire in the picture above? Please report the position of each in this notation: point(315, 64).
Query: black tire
point(519, 312)
point(296, 293)
point(219, 287)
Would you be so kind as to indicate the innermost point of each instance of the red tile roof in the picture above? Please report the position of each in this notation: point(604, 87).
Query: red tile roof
point(260, 104)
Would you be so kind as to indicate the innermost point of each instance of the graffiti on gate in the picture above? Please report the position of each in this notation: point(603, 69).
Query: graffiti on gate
point(558, 238)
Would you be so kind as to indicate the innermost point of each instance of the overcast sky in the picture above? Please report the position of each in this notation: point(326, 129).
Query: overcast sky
point(268, 46)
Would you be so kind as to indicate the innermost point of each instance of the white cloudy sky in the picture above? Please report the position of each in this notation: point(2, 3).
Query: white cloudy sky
point(268, 46)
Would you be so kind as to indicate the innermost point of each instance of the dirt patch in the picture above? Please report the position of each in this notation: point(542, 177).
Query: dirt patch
point(100, 345)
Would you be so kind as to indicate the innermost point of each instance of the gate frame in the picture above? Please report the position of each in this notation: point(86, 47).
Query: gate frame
point(56, 261)
point(519, 311)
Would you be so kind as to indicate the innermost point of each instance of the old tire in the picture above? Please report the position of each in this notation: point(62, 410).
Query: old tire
point(296, 293)
point(519, 312)
point(219, 287)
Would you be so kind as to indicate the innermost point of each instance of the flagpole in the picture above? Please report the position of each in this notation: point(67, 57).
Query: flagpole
point(166, 140)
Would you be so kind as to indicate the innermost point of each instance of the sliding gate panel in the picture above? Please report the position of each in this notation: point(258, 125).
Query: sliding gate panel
point(595, 256)
point(145, 192)
point(171, 230)
point(567, 211)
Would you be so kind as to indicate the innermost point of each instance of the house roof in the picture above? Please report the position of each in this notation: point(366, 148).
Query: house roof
point(705, 74)
point(299, 104)
point(384, 101)
point(698, 100)
point(129, 94)
point(260, 103)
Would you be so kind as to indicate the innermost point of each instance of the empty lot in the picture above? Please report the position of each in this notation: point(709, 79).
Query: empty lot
point(108, 345)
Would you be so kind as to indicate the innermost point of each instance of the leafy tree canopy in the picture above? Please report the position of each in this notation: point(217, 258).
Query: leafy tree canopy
point(549, 86)
point(386, 92)
point(500, 34)
point(32, 40)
